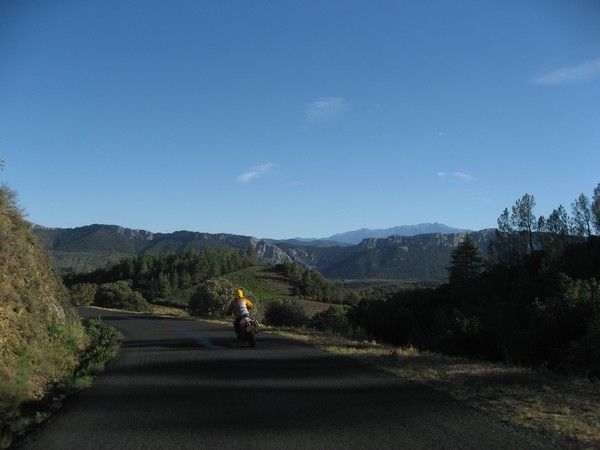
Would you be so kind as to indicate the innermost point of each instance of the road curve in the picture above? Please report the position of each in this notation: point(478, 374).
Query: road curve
point(188, 384)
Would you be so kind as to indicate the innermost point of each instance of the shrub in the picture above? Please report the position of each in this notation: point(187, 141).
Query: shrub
point(585, 354)
point(83, 293)
point(104, 344)
point(332, 319)
point(285, 313)
point(210, 298)
point(120, 295)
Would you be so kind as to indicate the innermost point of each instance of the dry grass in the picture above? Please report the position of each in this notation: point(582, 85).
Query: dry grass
point(565, 407)
point(169, 311)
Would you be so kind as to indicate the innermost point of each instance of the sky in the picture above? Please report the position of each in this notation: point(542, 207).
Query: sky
point(297, 118)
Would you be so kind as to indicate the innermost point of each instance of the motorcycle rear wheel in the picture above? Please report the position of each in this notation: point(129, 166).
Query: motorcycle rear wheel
point(251, 339)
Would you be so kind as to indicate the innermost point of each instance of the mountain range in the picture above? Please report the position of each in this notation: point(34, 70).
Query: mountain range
point(414, 257)
point(355, 237)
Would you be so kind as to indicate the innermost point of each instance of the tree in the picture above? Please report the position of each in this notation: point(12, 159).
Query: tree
point(83, 293)
point(466, 262)
point(503, 249)
point(557, 228)
point(210, 298)
point(582, 216)
point(596, 208)
point(523, 219)
point(251, 254)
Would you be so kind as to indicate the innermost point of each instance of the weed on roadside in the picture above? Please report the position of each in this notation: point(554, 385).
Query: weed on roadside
point(103, 346)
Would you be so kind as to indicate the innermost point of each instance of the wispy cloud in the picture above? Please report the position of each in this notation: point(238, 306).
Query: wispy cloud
point(325, 108)
point(483, 197)
point(456, 175)
point(255, 172)
point(567, 75)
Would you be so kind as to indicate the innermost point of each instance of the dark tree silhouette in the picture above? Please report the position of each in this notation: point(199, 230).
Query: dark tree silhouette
point(466, 262)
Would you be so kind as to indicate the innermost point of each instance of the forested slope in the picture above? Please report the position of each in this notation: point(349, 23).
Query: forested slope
point(423, 257)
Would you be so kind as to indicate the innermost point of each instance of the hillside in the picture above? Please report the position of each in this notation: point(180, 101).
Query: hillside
point(410, 258)
point(264, 284)
point(40, 334)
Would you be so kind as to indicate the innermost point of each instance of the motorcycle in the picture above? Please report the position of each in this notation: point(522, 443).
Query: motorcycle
point(247, 329)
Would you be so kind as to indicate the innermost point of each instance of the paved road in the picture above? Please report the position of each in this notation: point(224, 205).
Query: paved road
point(180, 383)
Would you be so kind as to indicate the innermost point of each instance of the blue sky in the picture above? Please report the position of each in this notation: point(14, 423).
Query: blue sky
point(302, 118)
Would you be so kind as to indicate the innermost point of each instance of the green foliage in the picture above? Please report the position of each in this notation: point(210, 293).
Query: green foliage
point(263, 281)
point(523, 218)
point(167, 275)
point(515, 234)
point(584, 354)
point(210, 298)
point(285, 313)
point(537, 302)
point(564, 321)
point(310, 284)
point(507, 248)
point(333, 320)
point(40, 334)
point(104, 342)
point(120, 295)
point(533, 313)
point(581, 223)
point(83, 293)
point(466, 262)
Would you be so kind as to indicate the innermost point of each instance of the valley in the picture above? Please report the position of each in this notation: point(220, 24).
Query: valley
point(418, 258)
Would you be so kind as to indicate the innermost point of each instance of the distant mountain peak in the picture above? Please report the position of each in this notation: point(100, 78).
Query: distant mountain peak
point(355, 237)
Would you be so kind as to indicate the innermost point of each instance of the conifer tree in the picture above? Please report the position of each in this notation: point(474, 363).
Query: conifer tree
point(582, 216)
point(466, 262)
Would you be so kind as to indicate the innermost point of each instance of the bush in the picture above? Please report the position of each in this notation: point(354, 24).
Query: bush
point(585, 354)
point(332, 319)
point(285, 313)
point(210, 298)
point(83, 293)
point(120, 295)
point(104, 344)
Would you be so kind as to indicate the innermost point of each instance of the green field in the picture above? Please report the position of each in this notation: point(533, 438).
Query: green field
point(264, 284)
point(377, 283)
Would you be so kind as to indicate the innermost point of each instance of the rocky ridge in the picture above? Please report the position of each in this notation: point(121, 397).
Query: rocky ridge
point(390, 257)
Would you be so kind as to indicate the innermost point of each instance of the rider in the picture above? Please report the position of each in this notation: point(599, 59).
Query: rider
point(240, 306)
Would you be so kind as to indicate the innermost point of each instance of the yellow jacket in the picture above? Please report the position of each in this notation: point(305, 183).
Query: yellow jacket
point(240, 306)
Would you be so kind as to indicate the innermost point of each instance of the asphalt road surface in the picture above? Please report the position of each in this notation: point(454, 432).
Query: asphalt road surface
point(179, 384)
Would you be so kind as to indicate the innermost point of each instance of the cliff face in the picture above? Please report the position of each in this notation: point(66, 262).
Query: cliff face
point(422, 241)
point(268, 252)
point(428, 240)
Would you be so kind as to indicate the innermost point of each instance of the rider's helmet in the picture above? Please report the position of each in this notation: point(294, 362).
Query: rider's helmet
point(239, 293)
